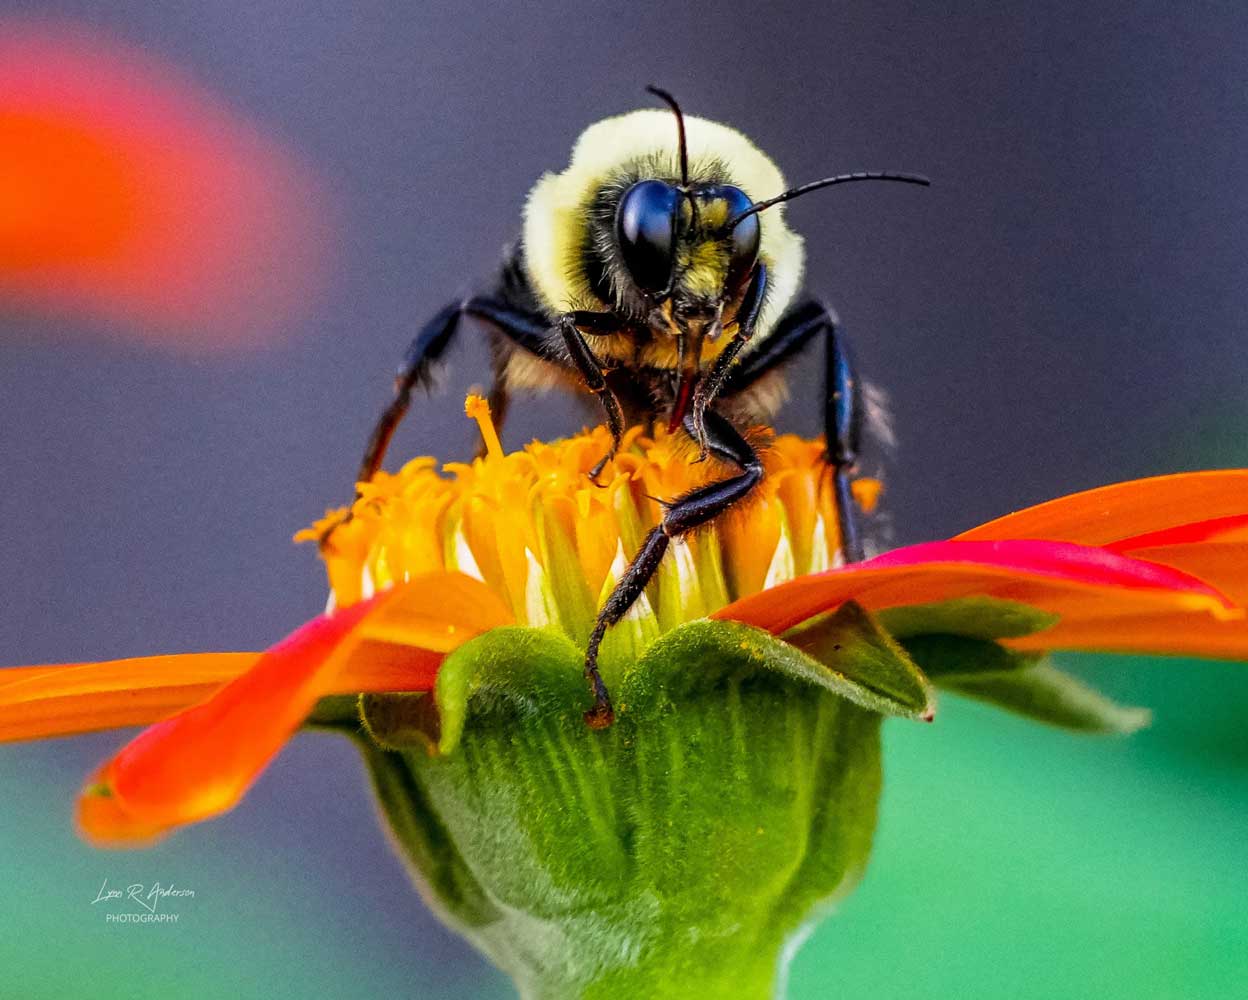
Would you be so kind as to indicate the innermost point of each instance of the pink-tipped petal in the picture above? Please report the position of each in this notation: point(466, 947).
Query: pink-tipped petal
point(1091, 590)
point(1232, 529)
point(1215, 550)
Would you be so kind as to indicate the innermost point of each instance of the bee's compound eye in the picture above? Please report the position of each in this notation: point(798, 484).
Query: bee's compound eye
point(645, 225)
point(744, 236)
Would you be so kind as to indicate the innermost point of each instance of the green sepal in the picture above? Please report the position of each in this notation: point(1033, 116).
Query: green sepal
point(952, 642)
point(734, 796)
point(400, 721)
point(514, 671)
point(971, 617)
point(335, 712)
point(1042, 692)
point(434, 862)
point(860, 661)
point(943, 657)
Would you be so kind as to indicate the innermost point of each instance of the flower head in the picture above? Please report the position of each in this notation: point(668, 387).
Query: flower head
point(431, 557)
point(736, 792)
point(551, 543)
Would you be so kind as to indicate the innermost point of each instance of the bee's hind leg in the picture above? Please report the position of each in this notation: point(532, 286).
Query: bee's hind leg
point(842, 407)
point(525, 330)
point(683, 514)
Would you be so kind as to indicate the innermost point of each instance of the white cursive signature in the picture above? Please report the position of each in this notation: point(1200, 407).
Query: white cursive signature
point(148, 898)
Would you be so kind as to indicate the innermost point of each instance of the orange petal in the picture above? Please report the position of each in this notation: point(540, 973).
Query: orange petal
point(1093, 591)
point(1218, 529)
point(106, 823)
point(64, 699)
point(1169, 633)
point(1221, 564)
point(1140, 506)
point(200, 762)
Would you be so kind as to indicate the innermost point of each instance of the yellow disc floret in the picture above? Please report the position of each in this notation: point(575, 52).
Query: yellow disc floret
point(534, 527)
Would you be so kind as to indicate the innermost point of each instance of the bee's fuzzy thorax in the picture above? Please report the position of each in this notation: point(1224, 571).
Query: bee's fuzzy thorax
point(560, 213)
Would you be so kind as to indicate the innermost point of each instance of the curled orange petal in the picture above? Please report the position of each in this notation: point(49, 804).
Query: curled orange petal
point(1157, 632)
point(1217, 529)
point(1094, 592)
point(1222, 564)
point(200, 762)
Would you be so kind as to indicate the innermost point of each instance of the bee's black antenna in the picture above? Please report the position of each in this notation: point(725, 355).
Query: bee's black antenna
point(864, 175)
point(667, 98)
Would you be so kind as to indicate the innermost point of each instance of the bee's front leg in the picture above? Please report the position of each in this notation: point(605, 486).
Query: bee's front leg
point(683, 514)
point(709, 389)
point(523, 329)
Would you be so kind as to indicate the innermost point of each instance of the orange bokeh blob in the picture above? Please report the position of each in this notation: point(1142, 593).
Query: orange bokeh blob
point(136, 202)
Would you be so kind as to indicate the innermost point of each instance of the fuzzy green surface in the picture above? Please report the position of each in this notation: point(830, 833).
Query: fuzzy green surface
point(676, 851)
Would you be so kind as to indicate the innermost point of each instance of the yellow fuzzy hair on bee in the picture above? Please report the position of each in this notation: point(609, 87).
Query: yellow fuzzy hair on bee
point(556, 211)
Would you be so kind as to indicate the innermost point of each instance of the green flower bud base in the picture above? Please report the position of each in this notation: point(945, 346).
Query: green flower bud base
point(672, 854)
point(681, 851)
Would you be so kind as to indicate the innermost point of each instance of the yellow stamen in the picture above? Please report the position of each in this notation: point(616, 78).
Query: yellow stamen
point(534, 528)
point(867, 493)
point(478, 409)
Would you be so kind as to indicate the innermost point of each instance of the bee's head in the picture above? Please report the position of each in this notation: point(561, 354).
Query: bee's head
point(688, 250)
point(672, 247)
point(685, 253)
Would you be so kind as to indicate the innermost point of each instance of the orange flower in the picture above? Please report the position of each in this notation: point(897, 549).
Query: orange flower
point(431, 558)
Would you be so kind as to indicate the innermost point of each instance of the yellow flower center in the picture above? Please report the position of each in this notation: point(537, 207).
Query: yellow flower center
point(537, 531)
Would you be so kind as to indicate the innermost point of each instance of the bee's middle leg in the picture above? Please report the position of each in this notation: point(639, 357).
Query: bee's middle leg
point(687, 512)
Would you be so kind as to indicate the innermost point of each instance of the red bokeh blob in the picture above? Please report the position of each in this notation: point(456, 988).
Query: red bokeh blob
point(138, 204)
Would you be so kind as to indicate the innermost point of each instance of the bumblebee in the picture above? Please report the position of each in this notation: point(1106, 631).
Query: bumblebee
point(648, 276)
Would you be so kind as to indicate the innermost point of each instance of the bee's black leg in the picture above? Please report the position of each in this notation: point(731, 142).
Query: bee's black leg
point(683, 514)
point(842, 422)
point(426, 349)
point(528, 331)
point(843, 410)
point(591, 371)
point(792, 333)
point(524, 329)
point(713, 384)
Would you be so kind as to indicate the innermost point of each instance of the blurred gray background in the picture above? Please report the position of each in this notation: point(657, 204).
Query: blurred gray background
point(1064, 307)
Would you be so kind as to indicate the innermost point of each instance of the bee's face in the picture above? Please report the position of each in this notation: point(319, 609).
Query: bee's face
point(681, 255)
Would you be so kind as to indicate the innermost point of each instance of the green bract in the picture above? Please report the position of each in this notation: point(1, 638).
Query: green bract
point(679, 852)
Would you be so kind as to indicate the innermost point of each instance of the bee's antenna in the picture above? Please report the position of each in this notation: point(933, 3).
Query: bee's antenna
point(865, 175)
point(668, 99)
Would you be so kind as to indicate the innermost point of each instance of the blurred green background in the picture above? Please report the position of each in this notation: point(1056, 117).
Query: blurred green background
point(1064, 308)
